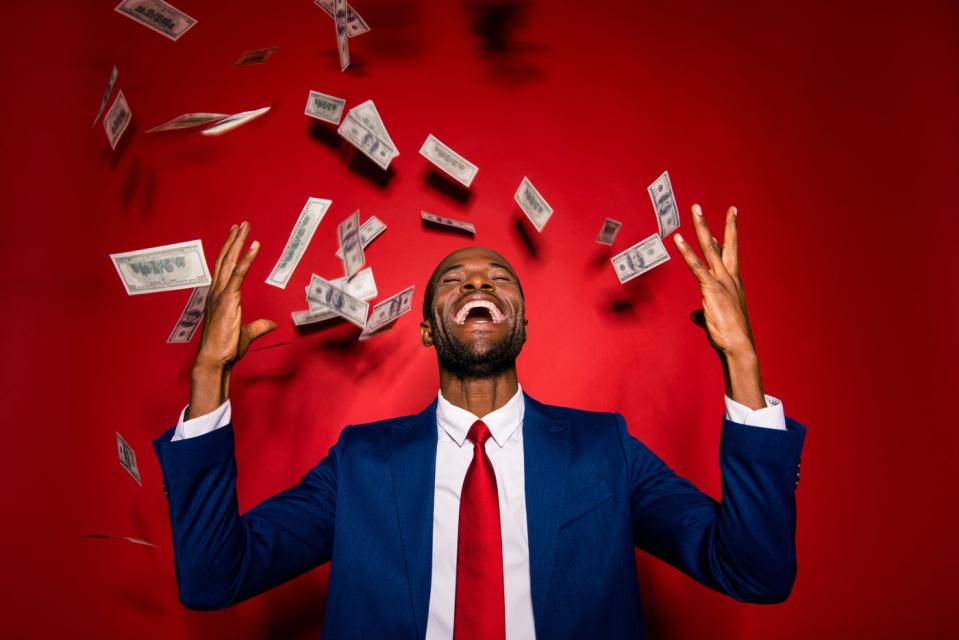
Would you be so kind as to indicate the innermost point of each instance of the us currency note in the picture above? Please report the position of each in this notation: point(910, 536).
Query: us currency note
point(342, 38)
point(234, 121)
point(608, 233)
point(533, 204)
point(387, 311)
point(254, 56)
point(105, 536)
point(158, 16)
point(664, 203)
point(190, 317)
point(338, 301)
point(166, 268)
point(117, 119)
point(640, 258)
point(128, 459)
point(325, 107)
point(452, 163)
point(355, 24)
point(366, 114)
point(366, 141)
point(106, 95)
point(448, 222)
point(348, 233)
point(188, 120)
point(299, 239)
point(308, 316)
point(369, 230)
point(362, 286)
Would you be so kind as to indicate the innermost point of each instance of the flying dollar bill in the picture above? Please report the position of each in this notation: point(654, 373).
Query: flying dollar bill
point(362, 286)
point(639, 258)
point(166, 268)
point(106, 95)
point(608, 233)
point(117, 119)
point(128, 459)
point(366, 114)
point(299, 239)
point(452, 163)
point(348, 234)
point(308, 316)
point(254, 56)
point(355, 24)
point(342, 37)
point(325, 107)
point(366, 141)
point(664, 203)
point(448, 222)
point(387, 311)
point(369, 230)
point(158, 16)
point(533, 204)
point(338, 301)
point(234, 121)
point(188, 120)
point(190, 317)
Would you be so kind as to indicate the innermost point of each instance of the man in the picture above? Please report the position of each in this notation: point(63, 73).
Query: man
point(526, 530)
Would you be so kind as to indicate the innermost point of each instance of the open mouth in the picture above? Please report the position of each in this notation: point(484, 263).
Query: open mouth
point(479, 311)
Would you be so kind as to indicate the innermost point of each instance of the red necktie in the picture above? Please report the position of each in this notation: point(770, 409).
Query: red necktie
point(480, 604)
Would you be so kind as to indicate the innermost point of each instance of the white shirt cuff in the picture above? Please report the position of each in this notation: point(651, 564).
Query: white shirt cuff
point(771, 416)
point(219, 417)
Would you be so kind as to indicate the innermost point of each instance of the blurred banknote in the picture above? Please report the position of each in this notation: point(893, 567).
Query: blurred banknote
point(299, 239)
point(106, 95)
point(533, 204)
point(366, 114)
point(166, 268)
point(387, 311)
point(105, 536)
point(355, 25)
point(128, 459)
point(157, 15)
point(368, 232)
point(342, 37)
point(348, 235)
point(372, 146)
point(190, 318)
point(254, 56)
point(664, 202)
point(234, 121)
point(452, 163)
point(448, 222)
point(337, 300)
point(640, 258)
point(188, 120)
point(325, 107)
point(362, 286)
point(309, 316)
point(608, 233)
point(117, 119)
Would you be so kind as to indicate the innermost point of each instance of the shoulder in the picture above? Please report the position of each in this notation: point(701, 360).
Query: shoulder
point(578, 419)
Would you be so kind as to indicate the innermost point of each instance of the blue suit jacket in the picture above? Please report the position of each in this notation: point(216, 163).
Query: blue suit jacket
point(593, 493)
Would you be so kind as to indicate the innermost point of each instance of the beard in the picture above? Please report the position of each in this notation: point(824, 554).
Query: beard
point(478, 361)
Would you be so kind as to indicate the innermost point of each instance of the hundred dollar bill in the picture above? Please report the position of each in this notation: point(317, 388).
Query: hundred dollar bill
point(338, 301)
point(188, 120)
point(362, 286)
point(308, 316)
point(117, 119)
point(342, 38)
point(158, 16)
point(300, 237)
point(366, 141)
point(366, 114)
point(355, 24)
point(664, 202)
point(348, 233)
point(448, 222)
point(608, 233)
point(104, 536)
point(640, 258)
point(458, 167)
point(325, 107)
point(254, 56)
point(234, 121)
point(166, 268)
point(128, 459)
point(387, 311)
point(533, 204)
point(190, 318)
point(369, 230)
point(106, 95)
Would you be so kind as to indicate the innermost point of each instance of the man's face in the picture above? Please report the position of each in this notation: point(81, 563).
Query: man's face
point(477, 320)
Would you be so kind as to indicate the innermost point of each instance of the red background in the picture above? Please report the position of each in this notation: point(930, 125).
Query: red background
point(831, 126)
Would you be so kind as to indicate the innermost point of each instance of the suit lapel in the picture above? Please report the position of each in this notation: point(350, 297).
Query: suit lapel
point(546, 459)
point(413, 465)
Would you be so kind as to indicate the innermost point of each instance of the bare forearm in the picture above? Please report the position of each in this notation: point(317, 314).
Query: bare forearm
point(209, 388)
point(743, 380)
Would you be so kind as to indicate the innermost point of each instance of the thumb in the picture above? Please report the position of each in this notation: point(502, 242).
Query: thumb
point(259, 328)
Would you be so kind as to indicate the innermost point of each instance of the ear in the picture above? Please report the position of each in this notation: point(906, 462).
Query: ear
point(426, 333)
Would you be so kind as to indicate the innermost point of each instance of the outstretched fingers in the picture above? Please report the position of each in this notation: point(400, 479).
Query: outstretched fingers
point(699, 269)
point(731, 243)
point(711, 249)
point(241, 268)
point(223, 251)
point(229, 262)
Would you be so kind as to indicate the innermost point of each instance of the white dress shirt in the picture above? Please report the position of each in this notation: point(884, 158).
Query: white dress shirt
point(505, 451)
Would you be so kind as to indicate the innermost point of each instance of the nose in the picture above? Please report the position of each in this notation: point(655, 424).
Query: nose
point(477, 281)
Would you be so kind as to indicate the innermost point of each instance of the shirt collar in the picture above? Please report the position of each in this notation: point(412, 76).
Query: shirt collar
point(502, 423)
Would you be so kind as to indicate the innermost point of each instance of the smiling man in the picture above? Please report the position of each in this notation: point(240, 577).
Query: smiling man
point(488, 515)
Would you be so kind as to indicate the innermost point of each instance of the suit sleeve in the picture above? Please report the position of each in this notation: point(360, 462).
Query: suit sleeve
point(743, 546)
point(221, 557)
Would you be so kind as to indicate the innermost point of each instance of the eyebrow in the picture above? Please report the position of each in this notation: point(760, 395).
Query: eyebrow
point(459, 266)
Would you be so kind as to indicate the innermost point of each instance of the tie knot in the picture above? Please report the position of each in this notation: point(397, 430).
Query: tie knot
point(478, 433)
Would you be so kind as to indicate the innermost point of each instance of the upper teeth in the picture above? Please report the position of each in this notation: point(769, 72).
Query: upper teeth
point(494, 311)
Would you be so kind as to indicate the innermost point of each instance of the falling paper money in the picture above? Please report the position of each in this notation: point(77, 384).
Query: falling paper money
point(188, 120)
point(664, 203)
point(324, 107)
point(190, 318)
point(254, 56)
point(300, 237)
point(452, 163)
point(338, 300)
point(117, 119)
point(355, 25)
point(158, 16)
point(533, 204)
point(106, 95)
point(387, 311)
point(233, 122)
point(128, 459)
point(608, 233)
point(166, 268)
point(448, 222)
point(639, 258)
point(369, 230)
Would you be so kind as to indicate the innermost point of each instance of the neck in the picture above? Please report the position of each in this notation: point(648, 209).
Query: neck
point(479, 396)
